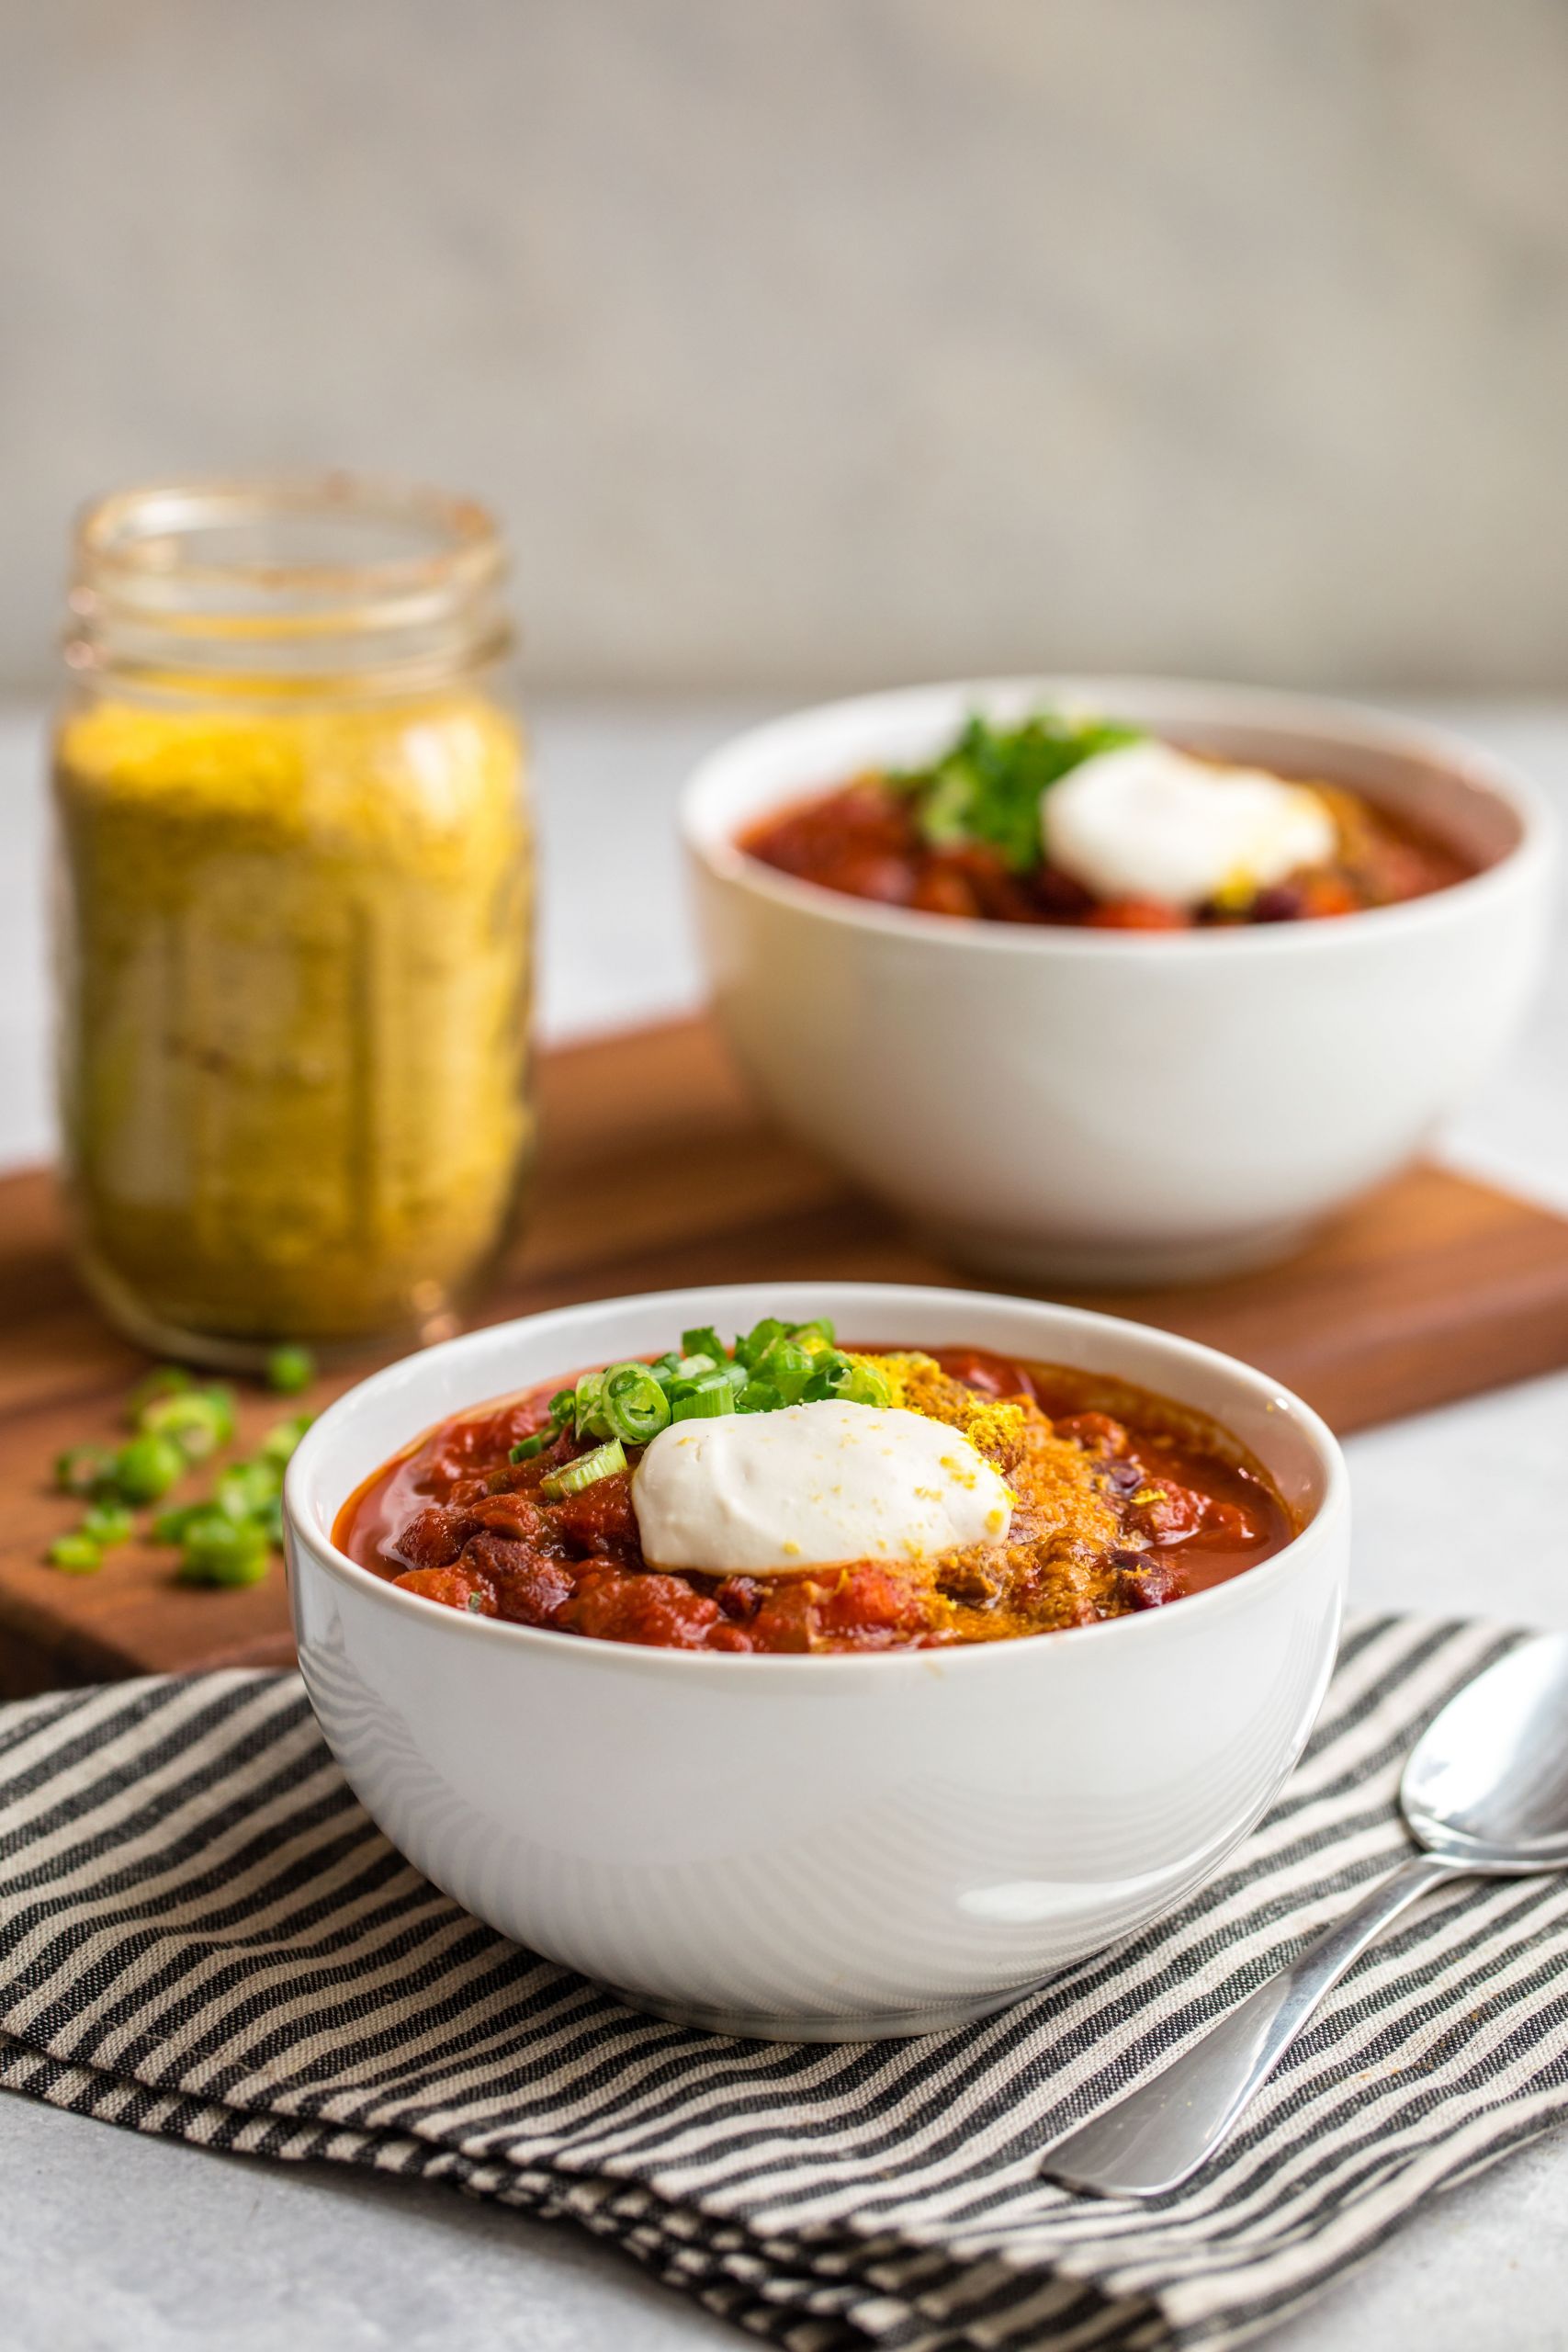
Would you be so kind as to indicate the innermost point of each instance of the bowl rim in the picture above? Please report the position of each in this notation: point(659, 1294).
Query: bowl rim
point(835, 1670)
point(1353, 725)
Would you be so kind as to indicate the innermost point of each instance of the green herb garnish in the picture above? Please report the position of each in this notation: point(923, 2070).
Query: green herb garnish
point(987, 787)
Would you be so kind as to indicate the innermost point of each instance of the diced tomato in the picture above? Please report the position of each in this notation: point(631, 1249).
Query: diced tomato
point(1136, 914)
point(600, 1518)
point(980, 1368)
point(516, 1515)
point(662, 1613)
point(530, 1587)
point(433, 1537)
point(452, 1588)
point(1096, 1433)
point(869, 1604)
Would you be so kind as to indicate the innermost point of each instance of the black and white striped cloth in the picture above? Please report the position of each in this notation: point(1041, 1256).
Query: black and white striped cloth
point(201, 1933)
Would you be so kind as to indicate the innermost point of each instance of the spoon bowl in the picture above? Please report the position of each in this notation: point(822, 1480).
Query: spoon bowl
point(1486, 1785)
point(1485, 1793)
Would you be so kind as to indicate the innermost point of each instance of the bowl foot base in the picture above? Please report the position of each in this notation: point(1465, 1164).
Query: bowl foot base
point(888, 2025)
point(1119, 1265)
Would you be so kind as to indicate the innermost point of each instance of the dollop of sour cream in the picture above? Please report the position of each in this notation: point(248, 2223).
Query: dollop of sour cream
point(1147, 821)
point(761, 1494)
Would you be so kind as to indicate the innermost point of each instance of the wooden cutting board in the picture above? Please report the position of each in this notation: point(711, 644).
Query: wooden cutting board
point(657, 1171)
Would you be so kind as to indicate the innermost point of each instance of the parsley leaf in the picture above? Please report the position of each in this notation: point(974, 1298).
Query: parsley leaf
point(987, 787)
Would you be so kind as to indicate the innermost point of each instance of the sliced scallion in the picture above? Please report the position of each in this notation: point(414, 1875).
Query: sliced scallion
point(702, 1399)
point(635, 1405)
point(82, 1469)
point(589, 1409)
point(78, 1555)
point(586, 1471)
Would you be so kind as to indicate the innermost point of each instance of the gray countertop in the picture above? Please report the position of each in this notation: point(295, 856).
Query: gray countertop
point(124, 2245)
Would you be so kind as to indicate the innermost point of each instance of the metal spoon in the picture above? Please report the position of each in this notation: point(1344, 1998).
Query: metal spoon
point(1484, 1792)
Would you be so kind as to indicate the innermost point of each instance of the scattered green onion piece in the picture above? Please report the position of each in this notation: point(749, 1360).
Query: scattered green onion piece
point(851, 1383)
point(170, 1526)
point(199, 1421)
point(749, 1349)
point(704, 1341)
point(78, 1555)
point(736, 1374)
point(586, 1471)
point(817, 1332)
point(82, 1469)
point(635, 1405)
point(290, 1370)
point(280, 1441)
point(527, 1447)
point(758, 1396)
point(225, 1552)
point(108, 1524)
point(588, 1403)
point(789, 1366)
point(695, 1367)
point(563, 1404)
point(246, 1487)
point(167, 1380)
point(147, 1467)
point(663, 1367)
point(702, 1399)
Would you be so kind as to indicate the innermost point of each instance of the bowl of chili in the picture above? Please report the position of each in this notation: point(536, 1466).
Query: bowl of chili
point(1058, 1083)
point(700, 1751)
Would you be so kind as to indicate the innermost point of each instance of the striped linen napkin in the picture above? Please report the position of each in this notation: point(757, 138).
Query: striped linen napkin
point(201, 1933)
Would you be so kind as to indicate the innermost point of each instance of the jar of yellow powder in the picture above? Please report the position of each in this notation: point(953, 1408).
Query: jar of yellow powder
point(294, 914)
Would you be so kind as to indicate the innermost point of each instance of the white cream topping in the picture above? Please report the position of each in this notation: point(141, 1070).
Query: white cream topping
point(764, 1493)
point(1147, 821)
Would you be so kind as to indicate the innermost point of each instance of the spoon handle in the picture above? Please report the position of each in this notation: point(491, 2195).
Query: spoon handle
point(1160, 2133)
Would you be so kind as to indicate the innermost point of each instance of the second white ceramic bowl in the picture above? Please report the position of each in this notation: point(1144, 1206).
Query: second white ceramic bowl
point(1113, 1106)
point(817, 1848)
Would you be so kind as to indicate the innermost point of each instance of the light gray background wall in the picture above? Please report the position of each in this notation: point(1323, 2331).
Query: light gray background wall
point(808, 341)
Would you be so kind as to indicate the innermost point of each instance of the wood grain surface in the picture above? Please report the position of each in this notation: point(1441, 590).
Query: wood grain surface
point(656, 1170)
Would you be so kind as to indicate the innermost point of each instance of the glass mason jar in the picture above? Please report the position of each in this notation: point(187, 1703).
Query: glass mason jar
point(293, 914)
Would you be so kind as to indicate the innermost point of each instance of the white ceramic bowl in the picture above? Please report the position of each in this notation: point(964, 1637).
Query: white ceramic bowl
point(1118, 1106)
point(817, 1848)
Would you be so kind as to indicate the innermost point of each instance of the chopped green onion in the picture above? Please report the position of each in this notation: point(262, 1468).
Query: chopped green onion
point(170, 1526)
point(78, 1555)
point(563, 1404)
point(635, 1406)
point(82, 1469)
point(147, 1467)
point(736, 1374)
point(817, 1333)
point(586, 1471)
point(289, 1370)
point(787, 1366)
point(851, 1383)
point(589, 1407)
point(108, 1524)
point(167, 1380)
point(222, 1551)
point(198, 1419)
point(527, 1447)
point(280, 1441)
point(749, 1349)
point(693, 1367)
point(703, 1398)
point(246, 1487)
point(704, 1341)
point(758, 1396)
